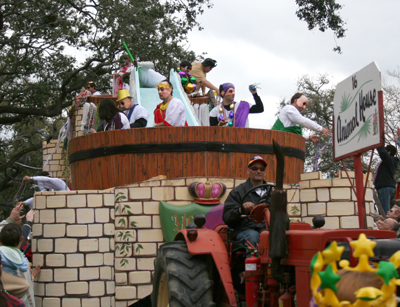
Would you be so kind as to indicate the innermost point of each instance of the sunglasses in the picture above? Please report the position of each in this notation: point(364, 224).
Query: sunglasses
point(255, 168)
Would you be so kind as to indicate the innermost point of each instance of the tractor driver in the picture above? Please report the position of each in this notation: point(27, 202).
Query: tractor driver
point(244, 229)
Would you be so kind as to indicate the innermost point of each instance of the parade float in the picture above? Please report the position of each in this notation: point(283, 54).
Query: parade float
point(144, 197)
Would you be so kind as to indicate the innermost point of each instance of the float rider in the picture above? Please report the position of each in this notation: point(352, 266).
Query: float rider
point(137, 115)
point(291, 120)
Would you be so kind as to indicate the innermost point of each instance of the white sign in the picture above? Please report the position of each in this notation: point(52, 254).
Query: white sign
point(357, 113)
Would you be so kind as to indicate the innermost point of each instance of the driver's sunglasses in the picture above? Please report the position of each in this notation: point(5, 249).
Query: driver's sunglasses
point(255, 168)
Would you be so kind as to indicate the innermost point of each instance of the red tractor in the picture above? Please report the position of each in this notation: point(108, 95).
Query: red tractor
point(204, 268)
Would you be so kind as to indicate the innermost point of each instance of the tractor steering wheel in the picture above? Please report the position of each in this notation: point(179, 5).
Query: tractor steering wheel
point(257, 213)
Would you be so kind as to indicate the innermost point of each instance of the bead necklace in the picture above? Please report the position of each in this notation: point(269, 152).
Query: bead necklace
point(230, 116)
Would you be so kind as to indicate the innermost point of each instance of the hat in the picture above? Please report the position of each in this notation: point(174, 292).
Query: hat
point(123, 94)
point(255, 159)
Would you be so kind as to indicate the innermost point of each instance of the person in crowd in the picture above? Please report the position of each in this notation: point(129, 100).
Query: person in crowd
point(7, 299)
point(384, 180)
point(110, 116)
point(137, 115)
point(232, 114)
point(171, 111)
point(199, 71)
point(91, 87)
point(13, 259)
point(45, 183)
point(387, 224)
point(291, 120)
point(244, 229)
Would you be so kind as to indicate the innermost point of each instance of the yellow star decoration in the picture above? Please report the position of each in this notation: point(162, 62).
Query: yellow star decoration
point(395, 259)
point(363, 246)
point(315, 279)
point(332, 255)
point(367, 296)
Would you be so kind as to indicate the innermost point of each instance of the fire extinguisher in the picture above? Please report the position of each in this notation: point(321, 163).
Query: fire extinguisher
point(252, 264)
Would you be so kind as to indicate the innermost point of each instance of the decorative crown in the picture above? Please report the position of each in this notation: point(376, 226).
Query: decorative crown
point(207, 193)
point(367, 296)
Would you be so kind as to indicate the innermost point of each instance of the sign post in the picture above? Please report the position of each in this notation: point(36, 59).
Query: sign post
point(358, 124)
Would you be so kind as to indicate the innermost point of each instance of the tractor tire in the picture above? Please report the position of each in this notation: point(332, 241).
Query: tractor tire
point(181, 279)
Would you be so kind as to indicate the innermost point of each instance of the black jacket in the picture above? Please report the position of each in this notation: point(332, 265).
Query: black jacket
point(233, 209)
point(387, 169)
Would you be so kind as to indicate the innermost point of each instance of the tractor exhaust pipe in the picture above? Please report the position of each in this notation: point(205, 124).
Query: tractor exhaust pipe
point(279, 219)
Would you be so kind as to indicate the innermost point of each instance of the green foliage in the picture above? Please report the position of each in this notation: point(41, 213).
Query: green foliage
point(123, 249)
point(138, 248)
point(124, 235)
point(49, 49)
point(322, 14)
point(294, 210)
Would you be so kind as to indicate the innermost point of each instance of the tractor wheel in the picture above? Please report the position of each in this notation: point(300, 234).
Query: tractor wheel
point(181, 279)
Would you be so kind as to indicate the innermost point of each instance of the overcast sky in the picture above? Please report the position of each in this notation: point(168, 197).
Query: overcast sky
point(264, 41)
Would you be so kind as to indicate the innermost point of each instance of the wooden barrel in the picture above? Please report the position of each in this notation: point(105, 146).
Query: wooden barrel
point(114, 158)
point(97, 98)
point(199, 100)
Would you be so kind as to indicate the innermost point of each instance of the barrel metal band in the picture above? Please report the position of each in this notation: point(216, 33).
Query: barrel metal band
point(182, 147)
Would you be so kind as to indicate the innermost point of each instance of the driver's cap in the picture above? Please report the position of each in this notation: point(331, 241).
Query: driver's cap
point(255, 159)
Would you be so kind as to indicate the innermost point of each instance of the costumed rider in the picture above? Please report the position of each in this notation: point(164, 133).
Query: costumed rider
point(171, 111)
point(45, 183)
point(199, 71)
point(188, 82)
point(126, 66)
point(291, 120)
point(148, 77)
point(244, 229)
point(232, 114)
point(91, 87)
point(137, 115)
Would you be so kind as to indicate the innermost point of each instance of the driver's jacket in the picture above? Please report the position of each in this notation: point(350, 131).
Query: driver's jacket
point(233, 210)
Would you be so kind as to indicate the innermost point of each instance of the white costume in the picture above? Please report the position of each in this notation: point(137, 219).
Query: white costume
point(138, 112)
point(290, 116)
point(47, 184)
point(148, 77)
point(175, 114)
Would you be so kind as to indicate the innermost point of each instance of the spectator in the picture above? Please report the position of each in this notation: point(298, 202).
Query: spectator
point(384, 181)
point(112, 118)
point(13, 259)
point(91, 87)
point(7, 299)
point(137, 115)
point(45, 183)
point(388, 224)
point(171, 111)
